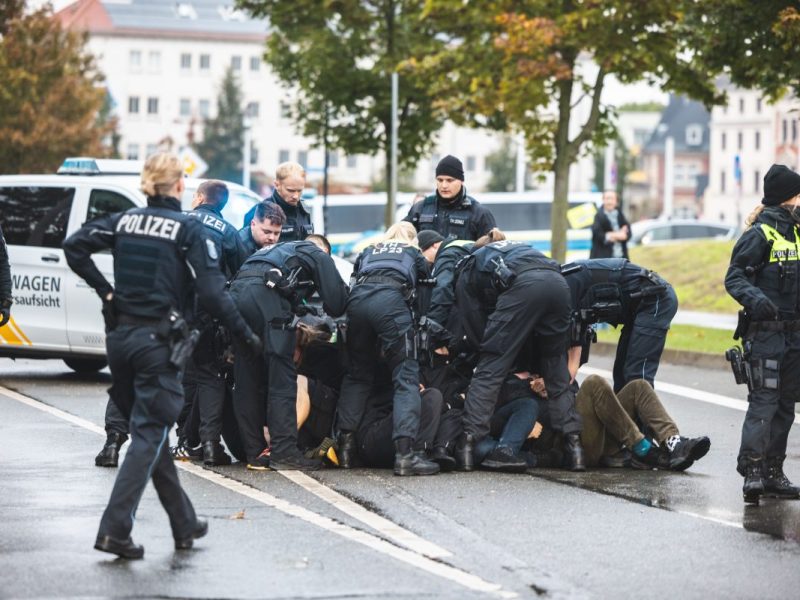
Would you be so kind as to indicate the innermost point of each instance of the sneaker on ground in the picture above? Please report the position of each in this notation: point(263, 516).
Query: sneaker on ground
point(261, 462)
point(183, 452)
point(503, 459)
point(687, 451)
point(657, 457)
point(295, 462)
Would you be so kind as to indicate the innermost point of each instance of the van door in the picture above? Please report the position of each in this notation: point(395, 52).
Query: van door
point(34, 220)
point(85, 327)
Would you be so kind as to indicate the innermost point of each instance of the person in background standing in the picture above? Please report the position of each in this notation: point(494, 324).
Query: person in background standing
point(610, 230)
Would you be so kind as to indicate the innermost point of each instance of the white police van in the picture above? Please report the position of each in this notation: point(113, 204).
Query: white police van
point(55, 313)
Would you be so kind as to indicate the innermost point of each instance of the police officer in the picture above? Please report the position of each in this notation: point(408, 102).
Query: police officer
point(764, 277)
point(507, 292)
point(6, 298)
point(290, 180)
point(270, 290)
point(450, 211)
point(264, 227)
point(618, 292)
point(161, 256)
point(379, 310)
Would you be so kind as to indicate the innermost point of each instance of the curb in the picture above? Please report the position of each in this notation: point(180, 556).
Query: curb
point(675, 357)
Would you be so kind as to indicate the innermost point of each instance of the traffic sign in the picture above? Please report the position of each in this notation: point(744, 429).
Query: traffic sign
point(193, 164)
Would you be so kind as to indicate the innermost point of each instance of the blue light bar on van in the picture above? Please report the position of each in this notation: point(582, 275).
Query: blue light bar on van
point(86, 165)
point(79, 166)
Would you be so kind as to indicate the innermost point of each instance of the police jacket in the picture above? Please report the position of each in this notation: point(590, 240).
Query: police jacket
point(391, 263)
point(764, 263)
point(462, 217)
point(162, 256)
point(5, 273)
point(444, 271)
point(310, 265)
point(247, 242)
point(231, 251)
point(298, 224)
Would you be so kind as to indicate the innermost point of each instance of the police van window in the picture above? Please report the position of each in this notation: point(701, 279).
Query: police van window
point(349, 219)
point(35, 216)
point(523, 216)
point(106, 202)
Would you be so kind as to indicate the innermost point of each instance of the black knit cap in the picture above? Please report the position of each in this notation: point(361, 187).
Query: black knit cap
point(428, 238)
point(780, 185)
point(451, 167)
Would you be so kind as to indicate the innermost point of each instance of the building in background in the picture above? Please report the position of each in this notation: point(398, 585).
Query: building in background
point(748, 135)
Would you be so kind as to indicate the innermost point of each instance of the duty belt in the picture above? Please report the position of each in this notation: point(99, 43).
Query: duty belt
point(137, 321)
point(535, 267)
point(381, 279)
point(773, 326)
point(250, 273)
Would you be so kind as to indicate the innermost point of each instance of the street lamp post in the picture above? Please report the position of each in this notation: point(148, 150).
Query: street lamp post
point(246, 152)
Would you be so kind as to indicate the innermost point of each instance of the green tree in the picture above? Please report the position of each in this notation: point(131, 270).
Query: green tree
point(523, 65)
point(223, 135)
point(51, 97)
point(339, 55)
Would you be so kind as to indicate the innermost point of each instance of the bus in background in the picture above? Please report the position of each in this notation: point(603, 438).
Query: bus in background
point(355, 221)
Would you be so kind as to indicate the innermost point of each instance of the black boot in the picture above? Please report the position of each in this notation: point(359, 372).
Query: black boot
point(776, 484)
point(465, 452)
point(442, 457)
point(753, 487)
point(214, 454)
point(408, 462)
point(573, 452)
point(109, 455)
point(122, 548)
point(347, 449)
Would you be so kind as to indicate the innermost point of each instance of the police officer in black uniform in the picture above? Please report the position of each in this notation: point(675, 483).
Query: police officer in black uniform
point(270, 290)
point(161, 258)
point(6, 299)
point(385, 277)
point(764, 277)
point(618, 292)
point(450, 211)
point(507, 292)
point(290, 180)
point(264, 228)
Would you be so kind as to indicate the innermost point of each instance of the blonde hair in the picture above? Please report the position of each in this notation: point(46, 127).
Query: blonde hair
point(401, 232)
point(287, 169)
point(160, 173)
point(751, 218)
point(495, 235)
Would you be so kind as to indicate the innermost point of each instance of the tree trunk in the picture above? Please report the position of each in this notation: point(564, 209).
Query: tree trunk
point(561, 164)
point(388, 214)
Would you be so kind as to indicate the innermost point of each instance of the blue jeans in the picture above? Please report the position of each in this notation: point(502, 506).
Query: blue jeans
point(516, 420)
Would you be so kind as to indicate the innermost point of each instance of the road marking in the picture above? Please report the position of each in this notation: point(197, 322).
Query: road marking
point(687, 392)
point(384, 526)
point(410, 557)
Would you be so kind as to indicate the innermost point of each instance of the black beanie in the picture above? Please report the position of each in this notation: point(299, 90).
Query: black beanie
point(780, 184)
point(428, 238)
point(451, 167)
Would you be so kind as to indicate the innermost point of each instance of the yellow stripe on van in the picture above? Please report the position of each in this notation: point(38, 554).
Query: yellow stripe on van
point(18, 330)
point(12, 334)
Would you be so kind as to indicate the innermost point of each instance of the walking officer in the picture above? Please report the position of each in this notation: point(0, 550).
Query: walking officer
point(506, 294)
point(764, 277)
point(450, 211)
point(6, 298)
point(270, 290)
point(161, 257)
point(379, 310)
point(290, 180)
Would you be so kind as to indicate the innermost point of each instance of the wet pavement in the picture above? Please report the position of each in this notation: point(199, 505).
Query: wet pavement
point(366, 534)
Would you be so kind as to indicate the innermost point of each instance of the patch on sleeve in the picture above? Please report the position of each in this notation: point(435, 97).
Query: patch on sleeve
point(212, 250)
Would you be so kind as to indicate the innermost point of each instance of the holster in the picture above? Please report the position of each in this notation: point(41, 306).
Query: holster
point(182, 340)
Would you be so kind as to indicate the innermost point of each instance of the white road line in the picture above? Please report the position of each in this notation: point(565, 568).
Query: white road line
point(384, 526)
point(434, 567)
point(679, 390)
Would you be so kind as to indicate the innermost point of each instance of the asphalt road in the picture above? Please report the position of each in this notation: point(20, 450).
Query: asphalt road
point(368, 534)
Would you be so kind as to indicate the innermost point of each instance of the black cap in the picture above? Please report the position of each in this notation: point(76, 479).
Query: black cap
point(451, 167)
point(428, 238)
point(780, 184)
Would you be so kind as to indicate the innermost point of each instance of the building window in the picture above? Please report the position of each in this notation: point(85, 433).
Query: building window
point(154, 61)
point(741, 105)
point(283, 156)
point(286, 110)
point(794, 131)
point(152, 149)
point(186, 107)
point(352, 162)
point(785, 130)
point(255, 63)
point(756, 181)
point(205, 62)
point(204, 108)
point(471, 163)
point(722, 140)
point(252, 110)
point(186, 61)
point(152, 106)
point(694, 134)
point(739, 140)
point(135, 60)
point(133, 152)
point(236, 63)
point(302, 158)
point(722, 181)
point(758, 105)
point(758, 140)
point(253, 154)
point(333, 159)
point(133, 105)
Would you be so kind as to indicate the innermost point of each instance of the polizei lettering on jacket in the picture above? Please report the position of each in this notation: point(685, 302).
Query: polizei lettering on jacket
point(149, 225)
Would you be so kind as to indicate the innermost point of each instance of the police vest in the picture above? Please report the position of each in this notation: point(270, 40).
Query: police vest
point(780, 249)
point(598, 283)
point(282, 256)
point(457, 220)
point(517, 256)
point(779, 278)
point(390, 256)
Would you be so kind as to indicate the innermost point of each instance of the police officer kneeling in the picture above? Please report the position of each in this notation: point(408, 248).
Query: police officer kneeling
point(161, 257)
point(270, 290)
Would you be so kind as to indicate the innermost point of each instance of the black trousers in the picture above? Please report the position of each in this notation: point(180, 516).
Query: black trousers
point(641, 342)
point(537, 303)
point(770, 409)
point(148, 389)
point(115, 420)
point(265, 388)
point(204, 390)
point(380, 313)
